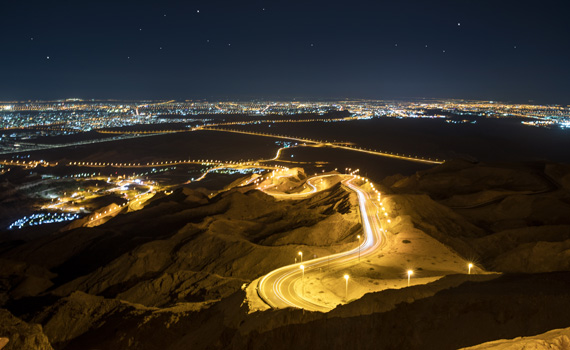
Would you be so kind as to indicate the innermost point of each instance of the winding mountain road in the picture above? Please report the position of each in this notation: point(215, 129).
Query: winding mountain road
point(277, 288)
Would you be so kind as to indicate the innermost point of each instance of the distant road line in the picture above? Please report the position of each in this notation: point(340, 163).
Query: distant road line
point(315, 143)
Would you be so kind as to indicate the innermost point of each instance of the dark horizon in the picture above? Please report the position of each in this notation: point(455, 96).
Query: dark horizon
point(513, 51)
point(244, 99)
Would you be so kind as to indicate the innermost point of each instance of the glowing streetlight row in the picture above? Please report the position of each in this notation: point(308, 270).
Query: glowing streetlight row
point(29, 163)
point(469, 267)
point(164, 163)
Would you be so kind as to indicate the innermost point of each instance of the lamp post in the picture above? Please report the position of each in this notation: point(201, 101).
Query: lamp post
point(346, 287)
point(303, 278)
point(469, 268)
point(358, 248)
point(301, 254)
point(410, 273)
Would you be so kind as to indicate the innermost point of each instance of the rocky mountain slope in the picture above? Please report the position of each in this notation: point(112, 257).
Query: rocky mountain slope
point(182, 247)
point(509, 218)
point(170, 276)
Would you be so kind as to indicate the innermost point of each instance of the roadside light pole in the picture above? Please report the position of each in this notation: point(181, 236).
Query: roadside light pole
point(346, 288)
point(301, 254)
point(469, 268)
point(359, 239)
point(303, 278)
point(410, 273)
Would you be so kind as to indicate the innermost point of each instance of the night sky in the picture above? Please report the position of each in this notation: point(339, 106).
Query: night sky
point(497, 50)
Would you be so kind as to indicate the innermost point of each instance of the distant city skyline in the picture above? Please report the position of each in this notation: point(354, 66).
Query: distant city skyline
point(509, 51)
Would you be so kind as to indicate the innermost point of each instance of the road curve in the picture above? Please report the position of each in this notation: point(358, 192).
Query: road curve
point(277, 287)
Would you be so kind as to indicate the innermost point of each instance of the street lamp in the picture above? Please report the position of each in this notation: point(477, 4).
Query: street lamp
point(303, 278)
point(469, 268)
point(358, 248)
point(410, 273)
point(301, 254)
point(346, 288)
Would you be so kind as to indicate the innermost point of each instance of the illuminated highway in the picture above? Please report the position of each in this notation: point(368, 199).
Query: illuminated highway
point(29, 146)
point(27, 164)
point(219, 163)
point(277, 288)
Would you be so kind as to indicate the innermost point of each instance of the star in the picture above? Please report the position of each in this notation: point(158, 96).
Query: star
point(312, 45)
point(515, 46)
point(140, 29)
point(197, 11)
point(161, 48)
point(458, 24)
point(31, 38)
point(395, 44)
point(208, 40)
point(443, 51)
point(47, 57)
point(426, 45)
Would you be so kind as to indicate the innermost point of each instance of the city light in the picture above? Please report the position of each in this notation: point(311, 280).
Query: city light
point(161, 161)
point(41, 219)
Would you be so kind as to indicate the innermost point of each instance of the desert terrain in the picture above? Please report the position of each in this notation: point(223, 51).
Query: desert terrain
point(178, 272)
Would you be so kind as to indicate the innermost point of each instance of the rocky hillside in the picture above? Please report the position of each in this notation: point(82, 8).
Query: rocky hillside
point(17, 334)
point(508, 218)
point(453, 312)
point(182, 247)
point(170, 276)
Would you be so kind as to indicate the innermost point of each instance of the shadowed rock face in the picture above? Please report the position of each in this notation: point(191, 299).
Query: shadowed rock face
point(17, 334)
point(453, 312)
point(507, 217)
